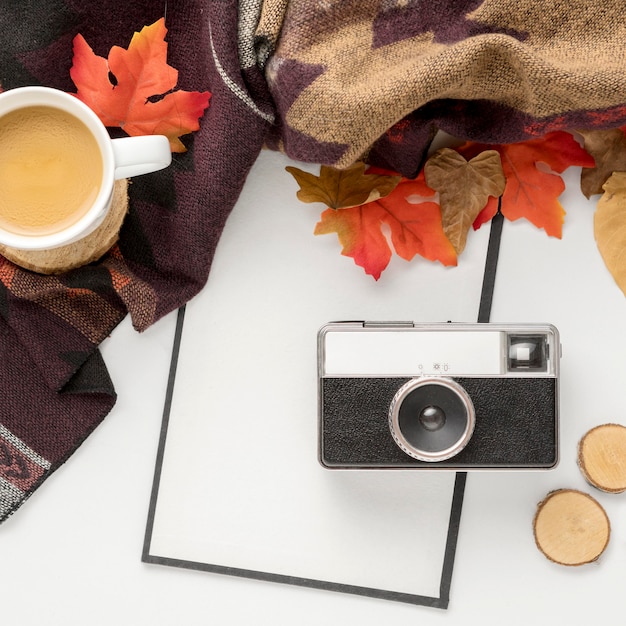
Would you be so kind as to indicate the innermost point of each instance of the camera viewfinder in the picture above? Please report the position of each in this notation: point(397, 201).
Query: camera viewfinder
point(527, 353)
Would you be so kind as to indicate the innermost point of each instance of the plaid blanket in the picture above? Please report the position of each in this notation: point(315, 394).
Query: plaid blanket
point(327, 82)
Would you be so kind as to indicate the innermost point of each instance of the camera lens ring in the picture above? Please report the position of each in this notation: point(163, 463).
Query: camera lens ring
point(447, 385)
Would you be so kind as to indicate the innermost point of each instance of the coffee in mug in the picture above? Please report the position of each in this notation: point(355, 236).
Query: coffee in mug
point(58, 166)
point(50, 170)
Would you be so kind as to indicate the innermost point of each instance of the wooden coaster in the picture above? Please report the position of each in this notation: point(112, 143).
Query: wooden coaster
point(571, 528)
point(86, 250)
point(602, 457)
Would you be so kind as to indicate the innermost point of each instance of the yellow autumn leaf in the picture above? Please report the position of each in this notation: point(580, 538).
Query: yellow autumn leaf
point(464, 188)
point(342, 189)
point(609, 225)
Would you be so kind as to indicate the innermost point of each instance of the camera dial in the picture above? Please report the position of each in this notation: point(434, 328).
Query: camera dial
point(431, 418)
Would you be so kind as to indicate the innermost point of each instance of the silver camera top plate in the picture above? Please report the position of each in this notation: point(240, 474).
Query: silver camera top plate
point(364, 349)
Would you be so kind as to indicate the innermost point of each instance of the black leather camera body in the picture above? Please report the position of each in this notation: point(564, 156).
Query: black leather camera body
point(438, 396)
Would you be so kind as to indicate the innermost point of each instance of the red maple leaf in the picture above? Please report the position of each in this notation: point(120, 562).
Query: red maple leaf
point(413, 220)
point(135, 88)
point(532, 191)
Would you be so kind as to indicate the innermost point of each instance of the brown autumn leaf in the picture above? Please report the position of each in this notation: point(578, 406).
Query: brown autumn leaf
point(464, 188)
point(343, 189)
point(609, 226)
point(608, 148)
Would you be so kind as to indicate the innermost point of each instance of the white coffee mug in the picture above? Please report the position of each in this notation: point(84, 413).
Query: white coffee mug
point(119, 158)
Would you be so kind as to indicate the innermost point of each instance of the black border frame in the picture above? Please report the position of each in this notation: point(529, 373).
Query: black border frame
point(440, 602)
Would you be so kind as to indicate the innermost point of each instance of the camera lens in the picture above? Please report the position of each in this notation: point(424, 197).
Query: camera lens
point(431, 419)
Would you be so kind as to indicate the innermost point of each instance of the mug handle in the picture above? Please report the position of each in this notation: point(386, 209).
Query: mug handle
point(140, 155)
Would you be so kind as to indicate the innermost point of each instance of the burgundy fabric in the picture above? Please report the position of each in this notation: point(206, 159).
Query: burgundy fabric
point(55, 387)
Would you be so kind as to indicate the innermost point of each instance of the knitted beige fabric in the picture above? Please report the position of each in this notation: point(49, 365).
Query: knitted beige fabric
point(346, 74)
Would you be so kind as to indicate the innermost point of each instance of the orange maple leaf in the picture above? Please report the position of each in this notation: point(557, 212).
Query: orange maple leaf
point(414, 222)
point(532, 192)
point(135, 88)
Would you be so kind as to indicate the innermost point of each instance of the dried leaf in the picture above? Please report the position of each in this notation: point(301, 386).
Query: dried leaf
point(416, 228)
point(464, 188)
point(610, 227)
point(135, 88)
point(531, 191)
point(341, 189)
point(608, 148)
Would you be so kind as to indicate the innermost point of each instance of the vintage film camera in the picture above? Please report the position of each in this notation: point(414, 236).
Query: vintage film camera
point(430, 396)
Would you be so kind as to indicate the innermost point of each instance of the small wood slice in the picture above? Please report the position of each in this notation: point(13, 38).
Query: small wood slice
point(86, 250)
point(602, 457)
point(571, 528)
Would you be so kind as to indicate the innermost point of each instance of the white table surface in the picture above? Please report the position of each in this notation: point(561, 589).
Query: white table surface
point(71, 554)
